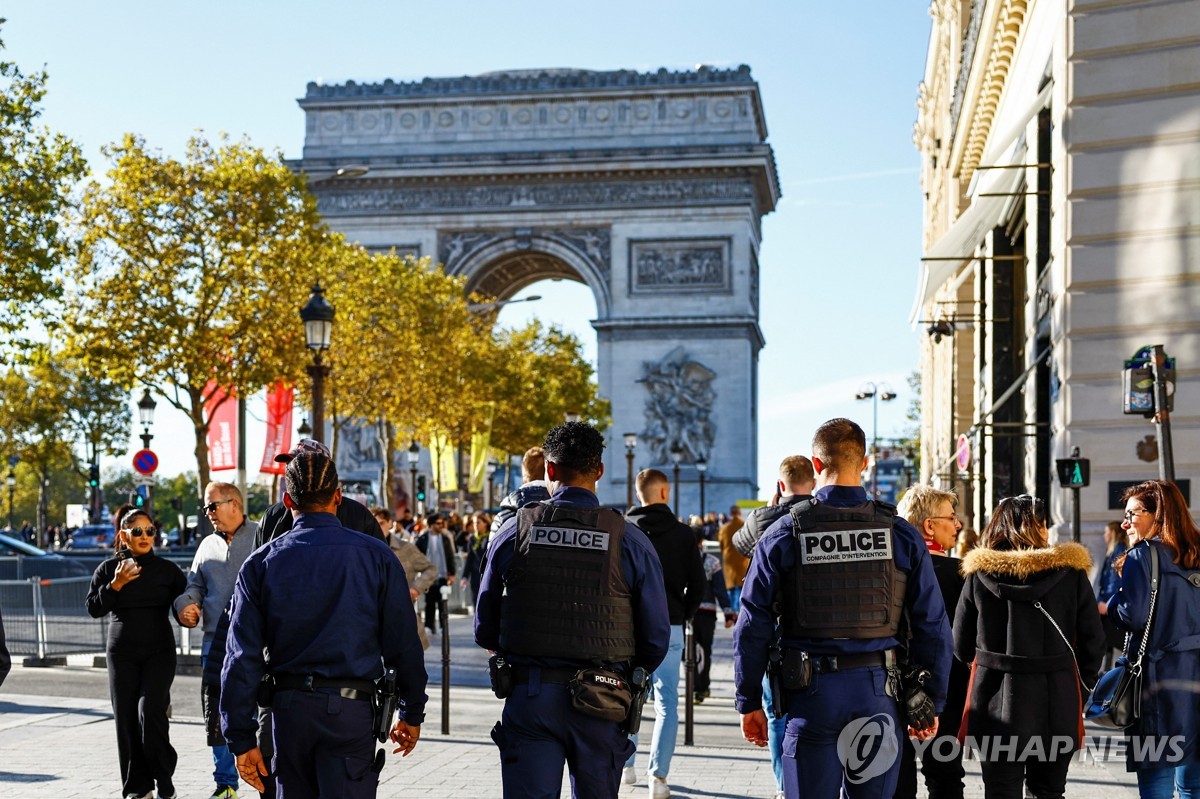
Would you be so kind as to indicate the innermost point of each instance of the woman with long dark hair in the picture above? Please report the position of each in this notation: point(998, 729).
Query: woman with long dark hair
point(1159, 524)
point(1028, 625)
point(137, 588)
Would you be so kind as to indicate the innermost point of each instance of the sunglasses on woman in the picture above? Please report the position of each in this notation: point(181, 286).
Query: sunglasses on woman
point(138, 532)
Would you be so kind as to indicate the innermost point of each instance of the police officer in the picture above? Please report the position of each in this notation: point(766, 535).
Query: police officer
point(332, 611)
point(837, 574)
point(570, 587)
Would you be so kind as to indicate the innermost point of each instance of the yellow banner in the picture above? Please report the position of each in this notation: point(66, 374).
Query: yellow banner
point(445, 473)
point(481, 444)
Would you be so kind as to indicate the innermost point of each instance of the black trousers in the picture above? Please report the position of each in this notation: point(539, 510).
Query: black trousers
point(941, 763)
point(1046, 779)
point(704, 625)
point(140, 687)
point(433, 598)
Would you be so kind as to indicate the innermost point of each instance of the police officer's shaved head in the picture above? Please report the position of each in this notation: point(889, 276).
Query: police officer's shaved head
point(840, 445)
point(576, 448)
point(311, 480)
point(533, 465)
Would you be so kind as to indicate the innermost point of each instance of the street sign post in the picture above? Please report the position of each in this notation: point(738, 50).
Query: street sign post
point(145, 461)
point(962, 452)
point(1148, 388)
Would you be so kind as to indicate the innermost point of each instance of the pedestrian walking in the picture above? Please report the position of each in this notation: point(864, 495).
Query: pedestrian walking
point(734, 562)
point(138, 588)
point(437, 544)
point(322, 612)
point(834, 577)
point(1107, 584)
point(1027, 623)
point(1160, 525)
point(704, 623)
point(683, 578)
point(932, 512)
point(418, 571)
point(209, 588)
point(795, 484)
point(583, 610)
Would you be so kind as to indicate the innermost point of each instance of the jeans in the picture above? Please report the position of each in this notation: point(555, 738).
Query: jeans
point(735, 598)
point(666, 708)
point(224, 766)
point(1161, 783)
point(776, 729)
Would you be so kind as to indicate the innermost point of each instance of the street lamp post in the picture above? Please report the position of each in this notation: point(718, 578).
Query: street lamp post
point(317, 316)
point(146, 406)
point(676, 457)
point(701, 468)
point(413, 454)
point(875, 393)
point(630, 446)
point(304, 429)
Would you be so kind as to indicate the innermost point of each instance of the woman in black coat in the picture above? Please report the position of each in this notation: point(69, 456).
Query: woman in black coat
point(1020, 601)
point(137, 588)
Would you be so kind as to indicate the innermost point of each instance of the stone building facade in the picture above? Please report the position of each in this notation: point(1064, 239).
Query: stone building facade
point(648, 188)
point(1060, 147)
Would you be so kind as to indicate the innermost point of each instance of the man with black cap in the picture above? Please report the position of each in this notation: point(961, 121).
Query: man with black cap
point(437, 545)
point(323, 613)
point(572, 602)
point(278, 519)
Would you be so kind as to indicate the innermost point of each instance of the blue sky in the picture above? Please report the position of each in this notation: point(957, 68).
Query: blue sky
point(839, 81)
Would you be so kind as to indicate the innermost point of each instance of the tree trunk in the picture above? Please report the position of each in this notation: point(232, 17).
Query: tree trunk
point(387, 444)
point(200, 425)
point(39, 532)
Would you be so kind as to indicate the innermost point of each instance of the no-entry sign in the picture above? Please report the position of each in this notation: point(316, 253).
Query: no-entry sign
point(145, 461)
point(962, 453)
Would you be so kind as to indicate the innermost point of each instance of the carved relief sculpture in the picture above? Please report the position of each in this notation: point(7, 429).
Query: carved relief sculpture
point(674, 265)
point(679, 408)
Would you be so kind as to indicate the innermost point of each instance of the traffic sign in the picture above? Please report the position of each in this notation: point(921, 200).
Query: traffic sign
point(962, 452)
point(145, 461)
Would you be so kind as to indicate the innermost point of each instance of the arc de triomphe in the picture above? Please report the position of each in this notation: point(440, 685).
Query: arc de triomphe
point(648, 188)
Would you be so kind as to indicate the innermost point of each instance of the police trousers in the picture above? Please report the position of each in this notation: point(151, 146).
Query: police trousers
point(323, 746)
point(540, 731)
point(843, 734)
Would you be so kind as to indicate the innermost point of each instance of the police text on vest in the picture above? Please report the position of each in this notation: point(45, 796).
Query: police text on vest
point(568, 537)
point(840, 546)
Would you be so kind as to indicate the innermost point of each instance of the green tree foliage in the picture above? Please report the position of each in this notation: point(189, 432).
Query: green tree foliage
point(193, 270)
point(38, 170)
point(542, 376)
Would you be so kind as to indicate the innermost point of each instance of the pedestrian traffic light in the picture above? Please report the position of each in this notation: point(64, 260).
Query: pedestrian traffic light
point(1074, 472)
point(94, 475)
point(420, 488)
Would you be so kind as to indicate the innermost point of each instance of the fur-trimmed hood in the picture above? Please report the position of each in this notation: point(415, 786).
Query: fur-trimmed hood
point(1025, 574)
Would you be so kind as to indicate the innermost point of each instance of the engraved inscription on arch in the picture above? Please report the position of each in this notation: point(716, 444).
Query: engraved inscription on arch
point(677, 265)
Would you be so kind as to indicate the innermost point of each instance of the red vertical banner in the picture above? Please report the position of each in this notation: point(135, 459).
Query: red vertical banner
point(279, 427)
point(221, 410)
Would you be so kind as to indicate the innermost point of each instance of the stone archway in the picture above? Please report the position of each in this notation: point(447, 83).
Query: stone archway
point(648, 188)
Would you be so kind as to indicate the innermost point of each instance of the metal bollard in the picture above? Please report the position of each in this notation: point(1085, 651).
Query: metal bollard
point(443, 610)
point(689, 664)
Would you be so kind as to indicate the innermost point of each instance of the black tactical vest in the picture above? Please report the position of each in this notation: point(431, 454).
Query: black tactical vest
point(845, 583)
point(565, 595)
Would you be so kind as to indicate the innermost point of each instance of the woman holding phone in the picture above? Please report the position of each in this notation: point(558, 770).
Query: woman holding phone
point(137, 588)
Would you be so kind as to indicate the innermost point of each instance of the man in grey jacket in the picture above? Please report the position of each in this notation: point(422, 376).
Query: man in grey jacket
point(209, 587)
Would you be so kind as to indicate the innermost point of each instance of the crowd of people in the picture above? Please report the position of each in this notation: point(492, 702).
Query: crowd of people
point(856, 624)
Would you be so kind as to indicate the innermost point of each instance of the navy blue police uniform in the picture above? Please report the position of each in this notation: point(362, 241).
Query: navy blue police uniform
point(331, 610)
point(844, 728)
point(545, 638)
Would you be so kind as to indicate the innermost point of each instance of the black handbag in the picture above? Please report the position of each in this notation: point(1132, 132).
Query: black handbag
point(1116, 701)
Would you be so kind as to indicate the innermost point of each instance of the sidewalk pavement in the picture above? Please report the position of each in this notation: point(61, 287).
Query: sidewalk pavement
point(65, 747)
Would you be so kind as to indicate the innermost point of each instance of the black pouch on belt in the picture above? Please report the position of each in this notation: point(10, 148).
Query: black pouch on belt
point(601, 693)
point(797, 670)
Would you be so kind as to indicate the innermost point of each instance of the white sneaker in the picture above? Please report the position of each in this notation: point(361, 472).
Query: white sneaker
point(659, 788)
point(628, 775)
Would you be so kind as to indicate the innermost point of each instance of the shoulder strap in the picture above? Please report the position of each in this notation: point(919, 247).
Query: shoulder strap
point(1070, 648)
point(1154, 575)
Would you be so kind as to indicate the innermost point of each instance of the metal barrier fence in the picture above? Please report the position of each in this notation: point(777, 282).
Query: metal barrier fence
point(47, 618)
point(44, 618)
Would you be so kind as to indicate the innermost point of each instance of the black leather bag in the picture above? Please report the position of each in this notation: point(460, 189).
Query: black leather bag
point(1116, 701)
